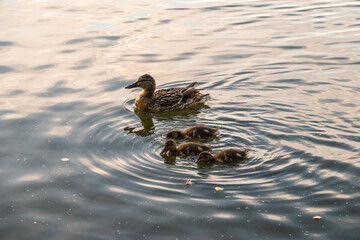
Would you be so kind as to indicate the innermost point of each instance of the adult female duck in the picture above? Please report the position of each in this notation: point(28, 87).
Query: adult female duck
point(165, 100)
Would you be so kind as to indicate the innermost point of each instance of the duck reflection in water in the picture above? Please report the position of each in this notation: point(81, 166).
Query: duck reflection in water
point(147, 122)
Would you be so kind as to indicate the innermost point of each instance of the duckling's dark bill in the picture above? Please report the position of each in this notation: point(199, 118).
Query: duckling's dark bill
point(134, 85)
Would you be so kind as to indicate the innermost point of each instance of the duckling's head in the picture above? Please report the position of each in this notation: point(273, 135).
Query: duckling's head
point(145, 82)
point(170, 145)
point(205, 156)
point(174, 134)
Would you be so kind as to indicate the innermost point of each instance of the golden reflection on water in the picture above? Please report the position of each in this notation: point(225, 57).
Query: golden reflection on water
point(282, 79)
point(273, 217)
point(164, 50)
point(30, 177)
point(224, 215)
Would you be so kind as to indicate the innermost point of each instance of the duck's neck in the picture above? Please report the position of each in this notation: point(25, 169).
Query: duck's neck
point(183, 135)
point(148, 92)
point(174, 152)
point(143, 101)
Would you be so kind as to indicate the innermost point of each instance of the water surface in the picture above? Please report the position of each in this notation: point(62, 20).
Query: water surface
point(284, 81)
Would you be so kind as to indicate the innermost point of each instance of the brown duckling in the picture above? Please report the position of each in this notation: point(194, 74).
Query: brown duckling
point(230, 155)
point(184, 149)
point(195, 132)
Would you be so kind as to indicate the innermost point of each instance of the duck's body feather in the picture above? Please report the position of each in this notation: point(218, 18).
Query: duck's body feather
point(229, 155)
point(191, 148)
point(184, 149)
point(194, 132)
point(200, 131)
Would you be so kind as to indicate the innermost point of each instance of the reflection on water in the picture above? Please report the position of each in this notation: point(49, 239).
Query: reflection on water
point(283, 80)
point(147, 123)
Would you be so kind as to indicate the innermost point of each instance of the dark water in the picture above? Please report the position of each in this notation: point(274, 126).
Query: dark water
point(284, 81)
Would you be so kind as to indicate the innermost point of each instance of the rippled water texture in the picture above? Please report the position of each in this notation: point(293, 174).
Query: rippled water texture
point(284, 81)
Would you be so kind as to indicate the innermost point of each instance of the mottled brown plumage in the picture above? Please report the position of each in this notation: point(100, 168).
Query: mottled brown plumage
point(230, 155)
point(165, 100)
point(184, 149)
point(195, 132)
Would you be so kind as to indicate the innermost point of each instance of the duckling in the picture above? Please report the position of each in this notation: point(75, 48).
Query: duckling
point(184, 149)
point(230, 155)
point(195, 132)
point(165, 100)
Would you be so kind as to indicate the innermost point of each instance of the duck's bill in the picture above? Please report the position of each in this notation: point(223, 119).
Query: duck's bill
point(134, 85)
point(163, 151)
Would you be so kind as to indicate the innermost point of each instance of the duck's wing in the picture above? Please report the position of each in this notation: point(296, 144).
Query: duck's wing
point(189, 92)
point(172, 96)
point(167, 97)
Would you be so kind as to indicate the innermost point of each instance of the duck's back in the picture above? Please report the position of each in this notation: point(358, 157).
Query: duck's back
point(167, 97)
point(231, 155)
point(173, 99)
point(192, 148)
point(200, 131)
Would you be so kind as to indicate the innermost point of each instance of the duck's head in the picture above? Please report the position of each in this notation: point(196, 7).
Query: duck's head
point(170, 145)
point(205, 156)
point(145, 82)
point(174, 134)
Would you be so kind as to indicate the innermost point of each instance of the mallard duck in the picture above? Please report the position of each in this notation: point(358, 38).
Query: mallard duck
point(165, 100)
point(230, 155)
point(195, 132)
point(184, 149)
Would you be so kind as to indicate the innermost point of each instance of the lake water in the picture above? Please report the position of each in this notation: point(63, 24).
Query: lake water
point(284, 81)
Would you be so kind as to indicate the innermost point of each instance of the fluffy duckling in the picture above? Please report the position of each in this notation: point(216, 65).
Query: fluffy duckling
point(184, 149)
point(230, 155)
point(165, 100)
point(195, 132)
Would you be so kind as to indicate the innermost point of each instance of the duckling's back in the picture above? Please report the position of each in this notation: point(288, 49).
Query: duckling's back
point(192, 148)
point(231, 155)
point(200, 131)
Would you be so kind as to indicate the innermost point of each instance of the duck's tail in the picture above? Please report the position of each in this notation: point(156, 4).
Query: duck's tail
point(191, 85)
point(204, 98)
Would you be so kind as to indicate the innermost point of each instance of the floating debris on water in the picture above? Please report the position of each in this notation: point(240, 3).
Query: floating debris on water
point(188, 182)
point(317, 218)
point(218, 189)
point(65, 159)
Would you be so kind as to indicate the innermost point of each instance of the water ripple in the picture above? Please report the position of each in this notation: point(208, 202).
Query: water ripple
point(282, 80)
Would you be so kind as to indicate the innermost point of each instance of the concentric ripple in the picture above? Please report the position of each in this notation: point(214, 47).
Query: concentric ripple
point(78, 161)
